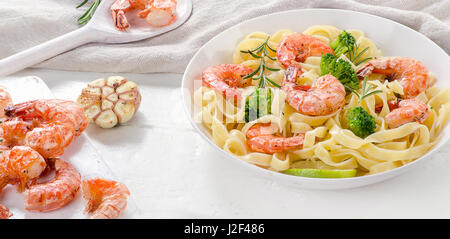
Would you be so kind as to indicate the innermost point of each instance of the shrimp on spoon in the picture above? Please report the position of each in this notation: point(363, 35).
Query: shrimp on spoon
point(157, 13)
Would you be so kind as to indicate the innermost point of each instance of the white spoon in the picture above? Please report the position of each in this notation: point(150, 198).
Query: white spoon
point(99, 29)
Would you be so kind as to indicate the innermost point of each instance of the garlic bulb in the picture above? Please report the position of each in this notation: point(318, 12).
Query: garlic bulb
point(110, 101)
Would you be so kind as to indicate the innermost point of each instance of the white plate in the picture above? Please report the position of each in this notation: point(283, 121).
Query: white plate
point(81, 154)
point(392, 38)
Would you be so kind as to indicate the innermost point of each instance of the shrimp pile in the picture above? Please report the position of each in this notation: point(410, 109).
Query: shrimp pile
point(106, 198)
point(157, 13)
point(32, 132)
point(47, 126)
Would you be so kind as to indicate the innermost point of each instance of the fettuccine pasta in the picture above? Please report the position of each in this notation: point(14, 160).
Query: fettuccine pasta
point(328, 143)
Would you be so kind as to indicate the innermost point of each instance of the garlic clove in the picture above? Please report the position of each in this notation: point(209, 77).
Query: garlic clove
point(106, 119)
point(110, 101)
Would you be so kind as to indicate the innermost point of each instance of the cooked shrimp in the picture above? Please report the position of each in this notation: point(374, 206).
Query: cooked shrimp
point(20, 165)
point(55, 194)
point(226, 78)
point(47, 126)
point(5, 101)
point(4, 212)
point(392, 104)
point(295, 48)
point(410, 110)
point(160, 13)
point(411, 74)
point(264, 138)
point(325, 96)
point(156, 12)
point(106, 198)
point(120, 7)
point(14, 131)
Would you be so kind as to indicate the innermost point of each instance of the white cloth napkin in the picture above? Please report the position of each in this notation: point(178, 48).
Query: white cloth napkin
point(27, 23)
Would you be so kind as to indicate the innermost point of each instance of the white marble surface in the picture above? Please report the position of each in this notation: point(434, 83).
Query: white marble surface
point(173, 173)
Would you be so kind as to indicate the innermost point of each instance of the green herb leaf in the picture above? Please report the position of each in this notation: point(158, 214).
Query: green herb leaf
point(356, 58)
point(89, 13)
point(263, 51)
point(82, 4)
point(364, 90)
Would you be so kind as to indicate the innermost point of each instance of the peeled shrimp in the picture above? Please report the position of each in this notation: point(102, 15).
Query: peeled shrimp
point(56, 193)
point(411, 74)
point(263, 138)
point(325, 96)
point(106, 198)
point(20, 165)
point(226, 78)
point(157, 13)
point(47, 126)
point(160, 13)
point(410, 110)
point(5, 101)
point(4, 212)
point(295, 48)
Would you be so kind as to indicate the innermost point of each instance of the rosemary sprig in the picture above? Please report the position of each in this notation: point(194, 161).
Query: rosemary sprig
point(354, 56)
point(262, 52)
point(82, 4)
point(365, 91)
point(88, 14)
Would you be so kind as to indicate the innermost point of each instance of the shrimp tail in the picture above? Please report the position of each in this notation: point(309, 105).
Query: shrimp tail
point(291, 74)
point(118, 10)
point(365, 71)
point(21, 110)
point(120, 20)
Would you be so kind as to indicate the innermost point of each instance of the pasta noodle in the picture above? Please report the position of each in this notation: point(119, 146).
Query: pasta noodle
point(327, 144)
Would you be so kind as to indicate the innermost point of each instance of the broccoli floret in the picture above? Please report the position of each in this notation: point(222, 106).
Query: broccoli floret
point(343, 44)
point(339, 68)
point(258, 104)
point(327, 63)
point(360, 122)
